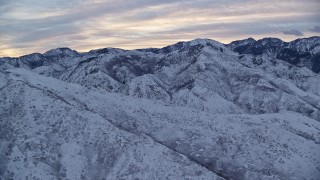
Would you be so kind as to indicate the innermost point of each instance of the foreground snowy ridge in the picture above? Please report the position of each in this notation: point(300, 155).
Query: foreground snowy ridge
point(193, 110)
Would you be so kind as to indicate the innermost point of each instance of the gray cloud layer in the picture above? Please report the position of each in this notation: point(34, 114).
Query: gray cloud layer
point(315, 29)
point(32, 25)
point(293, 32)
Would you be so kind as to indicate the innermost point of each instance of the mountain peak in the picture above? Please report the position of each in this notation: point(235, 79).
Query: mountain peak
point(270, 39)
point(34, 56)
point(105, 50)
point(244, 41)
point(205, 41)
point(61, 51)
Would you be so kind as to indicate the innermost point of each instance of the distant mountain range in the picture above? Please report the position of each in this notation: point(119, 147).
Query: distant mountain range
point(301, 52)
point(193, 110)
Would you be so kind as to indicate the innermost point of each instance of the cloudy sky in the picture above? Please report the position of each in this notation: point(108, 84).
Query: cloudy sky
point(28, 26)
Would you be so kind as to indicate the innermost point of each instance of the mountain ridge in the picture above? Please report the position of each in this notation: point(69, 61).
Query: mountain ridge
point(250, 38)
point(292, 51)
point(195, 109)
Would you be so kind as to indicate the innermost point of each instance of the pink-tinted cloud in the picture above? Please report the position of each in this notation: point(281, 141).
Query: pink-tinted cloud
point(32, 25)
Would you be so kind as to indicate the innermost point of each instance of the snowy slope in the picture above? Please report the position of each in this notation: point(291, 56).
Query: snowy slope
point(176, 73)
point(103, 131)
point(193, 110)
point(48, 134)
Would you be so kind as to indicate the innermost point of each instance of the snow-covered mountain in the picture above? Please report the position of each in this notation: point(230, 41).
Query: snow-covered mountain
point(301, 52)
point(193, 110)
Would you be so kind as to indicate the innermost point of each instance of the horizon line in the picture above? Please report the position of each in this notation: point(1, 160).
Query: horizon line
point(151, 47)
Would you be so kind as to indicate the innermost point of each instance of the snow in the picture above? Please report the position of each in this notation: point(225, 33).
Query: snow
point(193, 113)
